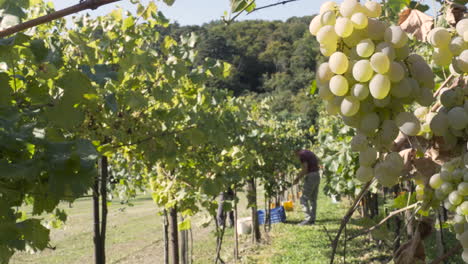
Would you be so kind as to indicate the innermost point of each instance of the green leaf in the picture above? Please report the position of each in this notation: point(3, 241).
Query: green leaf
point(398, 5)
point(313, 87)
point(35, 234)
point(185, 225)
point(169, 2)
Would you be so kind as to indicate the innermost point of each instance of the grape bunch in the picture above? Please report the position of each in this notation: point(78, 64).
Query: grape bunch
point(369, 78)
point(451, 51)
point(450, 186)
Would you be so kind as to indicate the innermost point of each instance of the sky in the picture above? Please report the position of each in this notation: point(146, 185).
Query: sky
point(197, 12)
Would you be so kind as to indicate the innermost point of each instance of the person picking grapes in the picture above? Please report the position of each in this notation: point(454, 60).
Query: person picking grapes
point(311, 175)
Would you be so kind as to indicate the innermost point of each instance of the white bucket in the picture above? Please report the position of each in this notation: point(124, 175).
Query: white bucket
point(244, 226)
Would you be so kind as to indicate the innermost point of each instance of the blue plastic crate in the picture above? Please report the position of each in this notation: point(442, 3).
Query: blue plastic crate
point(277, 215)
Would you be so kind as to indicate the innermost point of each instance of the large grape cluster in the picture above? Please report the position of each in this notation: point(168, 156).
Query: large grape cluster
point(450, 186)
point(451, 51)
point(369, 78)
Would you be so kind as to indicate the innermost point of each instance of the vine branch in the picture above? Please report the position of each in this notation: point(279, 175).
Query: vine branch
point(271, 5)
point(88, 4)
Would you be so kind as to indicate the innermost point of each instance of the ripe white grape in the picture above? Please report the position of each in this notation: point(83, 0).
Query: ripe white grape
point(463, 188)
point(403, 52)
point(446, 188)
point(376, 29)
point(401, 89)
point(462, 61)
point(455, 198)
point(343, 27)
point(373, 9)
point(326, 35)
point(448, 98)
point(328, 6)
point(379, 86)
point(325, 93)
point(328, 49)
point(359, 20)
point(338, 85)
point(435, 182)
point(324, 73)
point(356, 36)
point(439, 37)
point(425, 98)
point(396, 160)
point(389, 131)
point(349, 106)
point(442, 56)
point(396, 72)
point(408, 123)
point(359, 142)
point(462, 27)
point(369, 123)
point(385, 174)
point(421, 112)
point(348, 7)
point(367, 157)
point(457, 45)
point(439, 124)
point(387, 49)
point(380, 62)
point(396, 36)
point(360, 91)
point(365, 48)
point(362, 71)
point(458, 118)
point(338, 62)
point(333, 106)
point(364, 174)
point(315, 25)
point(328, 18)
point(464, 209)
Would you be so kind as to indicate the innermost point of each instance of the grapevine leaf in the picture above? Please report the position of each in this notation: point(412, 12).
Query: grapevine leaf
point(185, 225)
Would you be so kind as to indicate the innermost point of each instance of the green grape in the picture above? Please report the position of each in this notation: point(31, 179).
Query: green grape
point(448, 98)
point(389, 131)
point(360, 91)
point(380, 62)
point(425, 98)
point(362, 71)
point(315, 25)
point(338, 85)
point(396, 160)
point(442, 56)
point(373, 9)
point(455, 198)
point(387, 49)
point(440, 195)
point(385, 174)
point(359, 20)
point(379, 86)
point(376, 29)
point(439, 37)
point(457, 45)
point(369, 123)
point(325, 93)
point(439, 124)
point(401, 89)
point(458, 118)
point(348, 7)
point(328, 6)
point(350, 106)
point(324, 74)
point(381, 103)
point(365, 48)
point(359, 142)
point(396, 72)
point(343, 27)
point(408, 123)
point(457, 175)
point(446, 188)
point(420, 71)
point(338, 62)
point(435, 182)
point(449, 206)
point(464, 207)
point(364, 174)
point(403, 52)
point(367, 157)
point(352, 121)
point(326, 35)
point(462, 61)
point(328, 49)
point(396, 36)
point(328, 18)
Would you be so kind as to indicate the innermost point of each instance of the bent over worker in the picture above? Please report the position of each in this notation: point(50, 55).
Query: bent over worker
point(311, 175)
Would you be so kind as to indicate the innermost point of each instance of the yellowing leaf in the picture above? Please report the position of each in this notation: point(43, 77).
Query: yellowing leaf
point(416, 23)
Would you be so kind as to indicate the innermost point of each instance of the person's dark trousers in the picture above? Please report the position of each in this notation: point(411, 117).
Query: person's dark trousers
point(225, 196)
